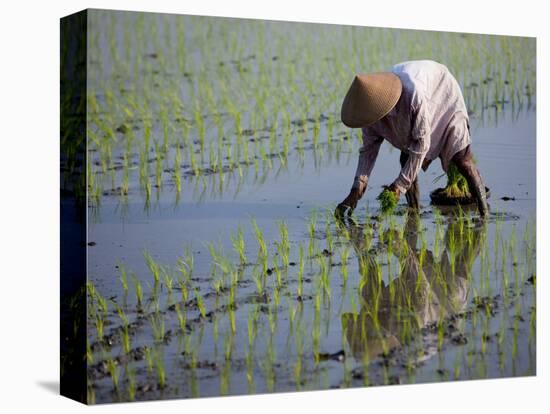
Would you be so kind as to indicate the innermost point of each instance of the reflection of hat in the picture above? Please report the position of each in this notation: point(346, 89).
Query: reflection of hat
point(369, 98)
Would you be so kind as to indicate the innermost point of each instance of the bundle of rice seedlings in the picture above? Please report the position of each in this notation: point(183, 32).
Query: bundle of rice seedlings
point(388, 201)
point(457, 186)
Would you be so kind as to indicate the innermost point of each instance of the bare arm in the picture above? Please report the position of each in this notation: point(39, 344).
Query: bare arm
point(367, 157)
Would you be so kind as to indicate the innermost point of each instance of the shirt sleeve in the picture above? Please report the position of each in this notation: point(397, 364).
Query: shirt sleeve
point(417, 149)
point(367, 157)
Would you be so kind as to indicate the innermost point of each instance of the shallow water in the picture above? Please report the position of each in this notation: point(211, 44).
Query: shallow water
point(285, 355)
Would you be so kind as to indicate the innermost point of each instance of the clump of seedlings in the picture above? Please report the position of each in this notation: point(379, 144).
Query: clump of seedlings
point(457, 186)
point(388, 201)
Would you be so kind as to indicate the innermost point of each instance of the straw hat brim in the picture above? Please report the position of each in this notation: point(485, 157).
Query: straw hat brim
point(370, 98)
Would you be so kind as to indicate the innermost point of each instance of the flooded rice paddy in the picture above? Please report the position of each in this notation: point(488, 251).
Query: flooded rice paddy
point(216, 266)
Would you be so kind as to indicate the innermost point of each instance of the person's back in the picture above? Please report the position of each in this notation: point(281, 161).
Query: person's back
point(434, 83)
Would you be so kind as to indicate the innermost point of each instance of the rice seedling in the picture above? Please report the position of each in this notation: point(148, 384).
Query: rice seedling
point(232, 317)
point(259, 282)
point(138, 289)
point(315, 330)
point(125, 334)
point(300, 273)
point(252, 326)
point(125, 338)
point(316, 130)
point(103, 307)
point(262, 252)
point(225, 379)
point(388, 201)
point(156, 322)
point(123, 277)
point(114, 372)
point(283, 246)
point(219, 261)
point(228, 347)
point(311, 232)
point(239, 245)
point(177, 169)
point(153, 266)
point(272, 320)
point(159, 367)
point(186, 265)
point(148, 191)
point(99, 326)
point(200, 303)
point(182, 318)
point(158, 165)
point(217, 284)
point(194, 164)
point(168, 280)
point(329, 239)
point(250, 371)
point(324, 275)
point(89, 352)
point(278, 278)
point(268, 367)
point(131, 388)
point(344, 256)
point(90, 291)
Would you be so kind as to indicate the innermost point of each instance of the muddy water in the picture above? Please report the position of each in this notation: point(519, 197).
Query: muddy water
point(487, 312)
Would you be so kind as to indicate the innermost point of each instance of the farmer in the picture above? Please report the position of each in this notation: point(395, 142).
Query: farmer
point(419, 108)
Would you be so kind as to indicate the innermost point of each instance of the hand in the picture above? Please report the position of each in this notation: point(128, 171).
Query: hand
point(349, 203)
point(394, 190)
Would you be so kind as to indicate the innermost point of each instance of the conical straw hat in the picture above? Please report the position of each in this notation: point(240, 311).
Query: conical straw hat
point(369, 98)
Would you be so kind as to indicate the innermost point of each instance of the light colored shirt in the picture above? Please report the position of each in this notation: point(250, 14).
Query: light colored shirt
point(430, 120)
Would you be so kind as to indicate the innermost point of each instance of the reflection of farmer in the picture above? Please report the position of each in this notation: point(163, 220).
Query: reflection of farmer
point(419, 108)
point(425, 290)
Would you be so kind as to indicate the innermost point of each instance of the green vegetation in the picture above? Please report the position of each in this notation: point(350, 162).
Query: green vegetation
point(239, 245)
point(153, 266)
point(447, 256)
point(457, 186)
point(388, 201)
point(158, 120)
